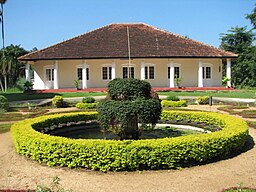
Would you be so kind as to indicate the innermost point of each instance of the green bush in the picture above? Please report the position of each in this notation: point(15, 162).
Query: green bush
point(57, 101)
point(202, 100)
point(88, 100)
point(4, 105)
point(172, 98)
point(180, 103)
point(106, 155)
point(86, 105)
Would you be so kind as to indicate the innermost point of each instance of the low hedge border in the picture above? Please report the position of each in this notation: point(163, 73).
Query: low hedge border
point(112, 155)
point(86, 105)
point(180, 103)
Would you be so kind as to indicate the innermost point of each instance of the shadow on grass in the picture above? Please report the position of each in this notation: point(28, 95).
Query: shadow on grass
point(28, 96)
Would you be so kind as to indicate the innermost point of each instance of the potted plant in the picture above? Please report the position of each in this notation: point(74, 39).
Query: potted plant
point(28, 86)
point(77, 84)
point(177, 81)
point(225, 81)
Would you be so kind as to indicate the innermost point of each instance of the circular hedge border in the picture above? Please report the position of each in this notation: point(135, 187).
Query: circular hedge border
point(112, 155)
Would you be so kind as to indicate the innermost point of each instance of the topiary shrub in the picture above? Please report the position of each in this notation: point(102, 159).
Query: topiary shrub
point(57, 101)
point(130, 103)
point(88, 100)
point(202, 100)
point(172, 98)
point(180, 103)
point(86, 105)
point(4, 104)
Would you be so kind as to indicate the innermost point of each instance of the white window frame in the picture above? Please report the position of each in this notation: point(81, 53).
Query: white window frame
point(174, 65)
point(127, 66)
point(51, 67)
point(147, 76)
point(205, 65)
point(109, 68)
point(87, 72)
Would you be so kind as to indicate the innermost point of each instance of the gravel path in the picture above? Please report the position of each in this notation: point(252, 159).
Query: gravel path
point(17, 172)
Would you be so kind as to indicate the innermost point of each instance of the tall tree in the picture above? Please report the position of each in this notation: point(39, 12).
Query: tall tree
point(2, 2)
point(237, 40)
point(240, 40)
point(252, 17)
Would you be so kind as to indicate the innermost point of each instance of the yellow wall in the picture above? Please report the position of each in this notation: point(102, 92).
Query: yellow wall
point(67, 71)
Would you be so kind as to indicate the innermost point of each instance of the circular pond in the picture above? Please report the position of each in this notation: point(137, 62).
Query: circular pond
point(92, 130)
point(114, 155)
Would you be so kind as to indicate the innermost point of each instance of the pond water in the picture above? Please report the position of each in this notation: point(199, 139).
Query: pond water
point(92, 131)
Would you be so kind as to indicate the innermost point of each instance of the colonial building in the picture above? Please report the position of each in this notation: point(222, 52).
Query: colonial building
point(128, 50)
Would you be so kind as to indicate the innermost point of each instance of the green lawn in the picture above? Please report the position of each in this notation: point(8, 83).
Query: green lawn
point(14, 95)
point(20, 96)
point(243, 93)
point(5, 127)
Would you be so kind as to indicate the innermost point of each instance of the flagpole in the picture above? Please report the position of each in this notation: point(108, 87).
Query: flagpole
point(129, 52)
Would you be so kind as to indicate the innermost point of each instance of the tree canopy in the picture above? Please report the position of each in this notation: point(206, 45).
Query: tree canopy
point(10, 68)
point(129, 103)
point(240, 40)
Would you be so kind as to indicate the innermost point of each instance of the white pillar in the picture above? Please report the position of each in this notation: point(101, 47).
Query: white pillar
point(113, 70)
point(200, 74)
point(84, 76)
point(55, 75)
point(142, 70)
point(229, 72)
point(172, 85)
point(27, 74)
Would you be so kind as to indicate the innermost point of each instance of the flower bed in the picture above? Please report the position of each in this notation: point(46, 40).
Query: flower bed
point(106, 155)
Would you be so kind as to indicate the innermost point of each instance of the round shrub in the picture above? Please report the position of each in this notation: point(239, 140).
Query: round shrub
point(88, 100)
point(172, 98)
point(106, 155)
point(57, 101)
point(4, 105)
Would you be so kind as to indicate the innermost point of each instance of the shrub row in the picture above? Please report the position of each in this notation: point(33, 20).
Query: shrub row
point(106, 155)
point(169, 103)
point(86, 105)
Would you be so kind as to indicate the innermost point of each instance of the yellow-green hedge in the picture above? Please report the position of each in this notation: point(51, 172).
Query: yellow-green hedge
point(180, 103)
point(114, 155)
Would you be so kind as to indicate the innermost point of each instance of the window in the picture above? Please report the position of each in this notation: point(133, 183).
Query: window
point(125, 72)
point(206, 72)
point(176, 72)
point(80, 73)
point(106, 73)
point(49, 74)
point(149, 72)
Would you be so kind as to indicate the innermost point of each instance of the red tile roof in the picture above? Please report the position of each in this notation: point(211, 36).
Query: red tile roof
point(111, 42)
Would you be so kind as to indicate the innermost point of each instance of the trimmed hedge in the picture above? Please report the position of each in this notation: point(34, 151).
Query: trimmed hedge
point(112, 155)
point(86, 105)
point(180, 103)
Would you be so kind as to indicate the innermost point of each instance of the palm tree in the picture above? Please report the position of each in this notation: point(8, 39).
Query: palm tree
point(2, 2)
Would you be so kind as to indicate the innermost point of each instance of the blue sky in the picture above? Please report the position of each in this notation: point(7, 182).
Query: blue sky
point(37, 23)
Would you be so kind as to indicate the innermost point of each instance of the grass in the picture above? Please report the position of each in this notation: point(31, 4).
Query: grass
point(20, 96)
point(15, 94)
point(5, 127)
point(241, 93)
point(251, 124)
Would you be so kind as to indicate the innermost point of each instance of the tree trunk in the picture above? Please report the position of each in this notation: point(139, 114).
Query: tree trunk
point(1, 85)
point(132, 130)
point(5, 83)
